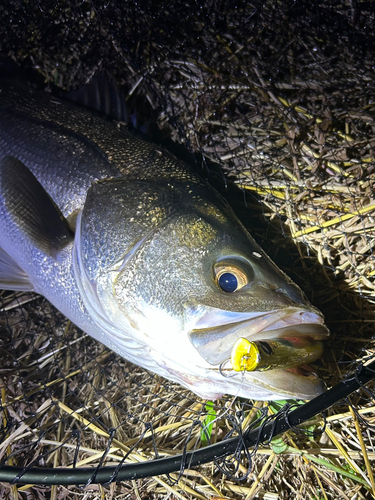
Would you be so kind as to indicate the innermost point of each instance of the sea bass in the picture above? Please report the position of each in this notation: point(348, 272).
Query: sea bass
point(143, 255)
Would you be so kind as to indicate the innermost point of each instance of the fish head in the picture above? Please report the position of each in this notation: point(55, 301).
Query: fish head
point(175, 280)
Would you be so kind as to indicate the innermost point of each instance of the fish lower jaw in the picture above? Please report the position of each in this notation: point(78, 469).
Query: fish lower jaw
point(211, 384)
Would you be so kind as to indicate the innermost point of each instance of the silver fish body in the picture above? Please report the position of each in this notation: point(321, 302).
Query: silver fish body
point(139, 252)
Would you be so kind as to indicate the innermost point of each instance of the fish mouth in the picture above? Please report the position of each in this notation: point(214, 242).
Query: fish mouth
point(294, 331)
point(215, 343)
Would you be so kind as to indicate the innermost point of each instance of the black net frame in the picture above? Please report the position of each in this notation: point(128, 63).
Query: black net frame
point(288, 417)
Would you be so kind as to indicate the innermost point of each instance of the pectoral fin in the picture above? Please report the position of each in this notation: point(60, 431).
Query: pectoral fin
point(31, 208)
point(12, 277)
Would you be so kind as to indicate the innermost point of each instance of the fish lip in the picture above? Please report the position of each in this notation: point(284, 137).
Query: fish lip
point(289, 383)
point(215, 343)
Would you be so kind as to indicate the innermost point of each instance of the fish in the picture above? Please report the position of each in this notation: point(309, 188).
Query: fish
point(142, 254)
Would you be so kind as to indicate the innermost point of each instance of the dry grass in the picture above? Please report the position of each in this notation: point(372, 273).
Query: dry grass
point(284, 106)
point(62, 395)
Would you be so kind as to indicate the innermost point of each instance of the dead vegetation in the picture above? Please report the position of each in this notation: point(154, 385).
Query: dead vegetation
point(282, 100)
point(67, 401)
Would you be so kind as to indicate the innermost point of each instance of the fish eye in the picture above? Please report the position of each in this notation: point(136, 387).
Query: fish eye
point(228, 282)
point(230, 276)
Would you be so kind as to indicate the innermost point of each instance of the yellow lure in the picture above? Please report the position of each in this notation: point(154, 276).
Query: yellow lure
point(274, 354)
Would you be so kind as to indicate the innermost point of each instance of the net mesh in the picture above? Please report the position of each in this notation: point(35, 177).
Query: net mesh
point(277, 98)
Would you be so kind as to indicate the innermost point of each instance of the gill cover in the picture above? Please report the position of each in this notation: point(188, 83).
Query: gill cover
point(118, 216)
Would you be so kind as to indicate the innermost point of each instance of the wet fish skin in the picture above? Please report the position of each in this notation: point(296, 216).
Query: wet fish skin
point(131, 204)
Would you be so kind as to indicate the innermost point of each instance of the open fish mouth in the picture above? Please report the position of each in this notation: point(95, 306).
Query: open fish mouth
point(286, 339)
